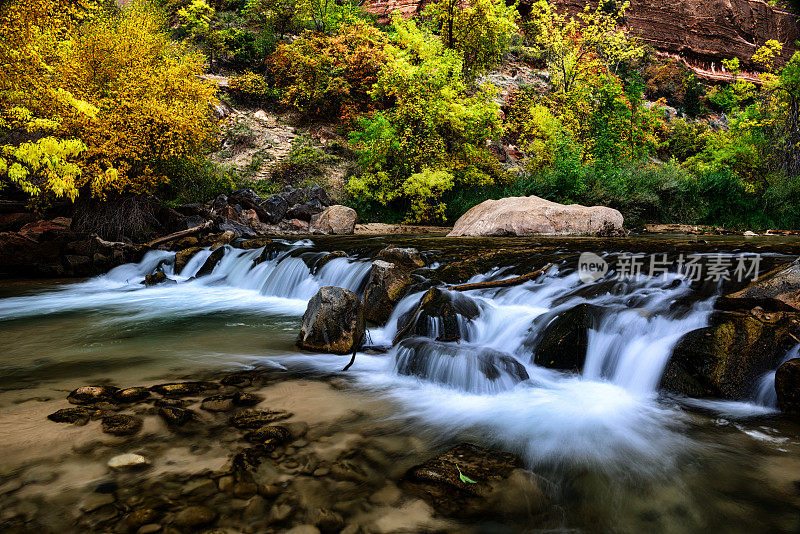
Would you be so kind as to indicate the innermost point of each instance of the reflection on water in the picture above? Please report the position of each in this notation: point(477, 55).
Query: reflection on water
point(620, 457)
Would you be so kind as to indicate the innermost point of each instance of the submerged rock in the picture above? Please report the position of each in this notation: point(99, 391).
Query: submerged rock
point(563, 342)
point(726, 359)
point(469, 481)
point(333, 322)
point(182, 257)
point(337, 220)
point(218, 403)
point(386, 286)
point(184, 389)
point(156, 279)
point(440, 314)
point(257, 418)
point(787, 386)
point(134, 394)
point(533, 215)
point(269, 435)
point(70, 415)
point(473, 369)
point(195, 516)
point(406, 258)
point(121, 424)
point(92, 394)
point(174, 416)
point(128, 461)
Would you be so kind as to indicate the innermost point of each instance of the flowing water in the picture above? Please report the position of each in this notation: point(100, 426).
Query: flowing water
point(618, 454)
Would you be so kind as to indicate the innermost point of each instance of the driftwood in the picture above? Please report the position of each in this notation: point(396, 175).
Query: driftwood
point(508, 282)
point(183, 233)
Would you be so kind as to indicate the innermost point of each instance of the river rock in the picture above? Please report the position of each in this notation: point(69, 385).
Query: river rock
point(121, 424)
point(338, 220)
point(725, 359)
point(70, 415)
point(211, 262)
point(128, 461)
point(327, 258)
point(269, 435)
point(563, 342)
point(787, 386)
point(134, 394)
point(439, 313)
point(195, 516)
point(174, 416)
point(333, 322)
point(184, 389)
point(182, 257)
point(386, 286)
point(473, 369)
point(251, 419)
point(255, 243)
point(156, 279)
point(775, 291)
point(405, 258)
point(218, 403)
point(471, 481)
point(533, 215)
point(92, 394)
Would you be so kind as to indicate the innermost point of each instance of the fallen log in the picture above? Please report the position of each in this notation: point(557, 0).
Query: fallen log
point(183, 233)
point(508, 282)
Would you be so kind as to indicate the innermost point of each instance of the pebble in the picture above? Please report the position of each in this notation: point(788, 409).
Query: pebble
point(226, 483)
point(150, 528)
point(195, 516)
point(141, 517)
point(128, 461)
point(303, 529)
point(321, 472)
point(279, 512)
point(95, 501)
point(203, 487)
point(244, 490)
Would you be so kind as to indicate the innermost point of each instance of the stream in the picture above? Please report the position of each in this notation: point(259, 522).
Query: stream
point(610, 450)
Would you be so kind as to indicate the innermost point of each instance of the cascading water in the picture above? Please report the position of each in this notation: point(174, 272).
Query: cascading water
point(765, 394)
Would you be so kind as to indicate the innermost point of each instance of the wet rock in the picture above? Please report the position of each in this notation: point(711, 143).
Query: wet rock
point(184, 389)
point(211, 262)
point(474, 369)
point(337, 220)
point(563, 342)
point(405, 258)
point(533, 215)
point(218, 403)
point(470, 481)
point(156, 279)
point(324, 260)
point(787, 386)
point(257, 418)
point(134, 394)
point(327, 521)
point(171, 403)
point(333, 322)
point(128, 461)
point(725, 359)
point(247, 399)
point(775, 291)
point(258, 242)
point(175, 416)
point(182, 257)
point(145, 516)
point(245, 490)
point(121, 424)
point(386, 286)
point(239, 380)
point(195, 516)
point(92, 394)
point(440, 313)
point(70, 415)
point(150, 528)
point(269, 435)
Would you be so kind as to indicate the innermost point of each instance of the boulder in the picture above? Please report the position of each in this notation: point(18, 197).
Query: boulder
point(465, 367)
point(70, 415)
point(326, 259)
point(787, 386)
point(292, 195)
point(441, 314)
point(318, 194)
point(774, 291)
point(338, 220)
point(304, 212)
point(276, 206)
point(333, 322)
point(174, 416)
point(533, 215)
point(183, 389)
point(470, 481)
point(92, 394)
point(156, 279)
point(386, 286)
point(14, 221)
point(134, 394)
point(218, 204)
point(211, 262)
point(121, 424)
point(250, 419)
point(562, 342)
point(182, 257)
point(405, 258)
point(725, 359)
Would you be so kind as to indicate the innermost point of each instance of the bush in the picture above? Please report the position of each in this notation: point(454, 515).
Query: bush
point(251, 88)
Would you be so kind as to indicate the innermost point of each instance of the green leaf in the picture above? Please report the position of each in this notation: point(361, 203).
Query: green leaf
point(465, 478)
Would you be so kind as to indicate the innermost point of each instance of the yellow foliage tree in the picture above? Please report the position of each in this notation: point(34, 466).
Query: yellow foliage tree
point(102, 101)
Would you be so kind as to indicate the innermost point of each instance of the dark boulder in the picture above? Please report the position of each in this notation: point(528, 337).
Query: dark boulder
point(778, 290)
point(406, 258)
point(121, 424)
point(386, 286)
point(441, 314)
point(211, 262)
point(318, 194)
point(70, 415)
point(276, 206)
point(726, 359)
point(244, 196)
point(182, 257)
point(470, 481)
point(156, 279)
point(304, 212)
point(465, 367)
point(134, 394)
point(238, 229)
point(562, 343)
point(333, 322)
point(292, 195)
point(174, 416)
point(218, 204)
point(269, 435)
point(787, 386)
point(257, 418)
point(92, 394)
point(184, 389)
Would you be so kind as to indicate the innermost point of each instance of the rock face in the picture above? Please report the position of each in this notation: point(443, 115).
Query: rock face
point(469, 481)
point(563, 342)
point(386, 286)
point(533, 215)
point(725, 359)
point(338, 220)
point(787, 386)
point(333, 322)
point(776, 290)
point(443, 315)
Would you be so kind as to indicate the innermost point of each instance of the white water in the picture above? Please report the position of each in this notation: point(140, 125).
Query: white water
point(609, 416)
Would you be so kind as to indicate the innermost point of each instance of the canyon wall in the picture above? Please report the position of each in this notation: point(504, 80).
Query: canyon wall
point(703, 32)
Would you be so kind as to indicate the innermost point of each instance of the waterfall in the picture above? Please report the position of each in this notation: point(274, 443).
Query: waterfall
point(765, 394)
